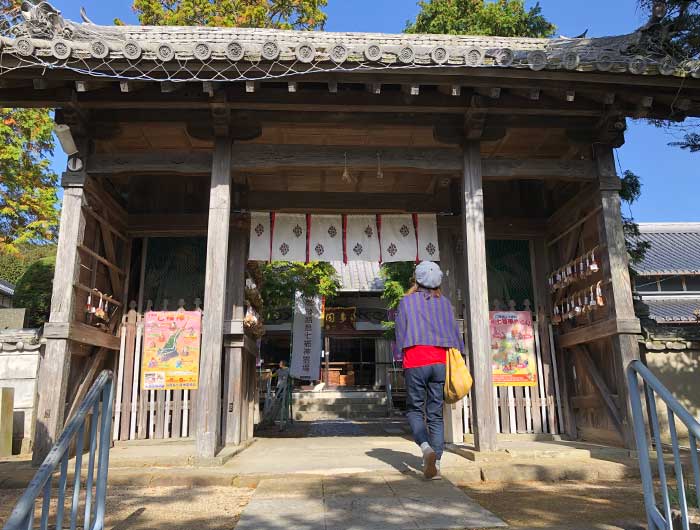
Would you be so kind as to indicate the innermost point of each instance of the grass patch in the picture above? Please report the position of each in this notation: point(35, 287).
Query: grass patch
point(690, 497)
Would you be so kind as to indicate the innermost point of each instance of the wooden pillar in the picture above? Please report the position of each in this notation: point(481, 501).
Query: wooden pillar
point(235, 300)
point(477, 307)
point(208, 429)
point(619, 291)
point(454, 426)
point(54, 367)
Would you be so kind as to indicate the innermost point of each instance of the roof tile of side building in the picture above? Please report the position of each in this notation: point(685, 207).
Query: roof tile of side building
point(675, 249)
point(6, 288)
point(670, 310)
point(359, 276)
point(45, 38)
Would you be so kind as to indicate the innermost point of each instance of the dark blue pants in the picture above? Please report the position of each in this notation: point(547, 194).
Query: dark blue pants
point(424, 397)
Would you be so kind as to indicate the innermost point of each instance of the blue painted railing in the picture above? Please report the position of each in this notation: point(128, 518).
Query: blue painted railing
point(659, 517)
point(98, 404)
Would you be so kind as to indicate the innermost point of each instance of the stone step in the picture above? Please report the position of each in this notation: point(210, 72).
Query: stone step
point(327, 415)
point(339, 408)
point(340, 402)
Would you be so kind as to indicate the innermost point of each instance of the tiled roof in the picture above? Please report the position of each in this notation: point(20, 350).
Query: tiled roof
point(45, 38)
point(359, 276)
point(678, 309)
point(7, 288)
point(675, 248)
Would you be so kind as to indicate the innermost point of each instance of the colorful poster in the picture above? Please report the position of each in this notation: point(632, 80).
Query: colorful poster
point(513, 348)
point(171, 350)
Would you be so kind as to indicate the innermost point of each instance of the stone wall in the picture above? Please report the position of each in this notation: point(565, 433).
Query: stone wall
point(20, 352)
point(679, 371)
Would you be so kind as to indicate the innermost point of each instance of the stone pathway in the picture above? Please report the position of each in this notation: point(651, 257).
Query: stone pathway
point(363, 502)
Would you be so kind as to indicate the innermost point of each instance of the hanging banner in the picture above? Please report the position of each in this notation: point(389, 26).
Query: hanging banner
point(340, 319)
point(306, 338)
point(513, 348)
point(259, 236)
point(329, 238)
point(427, 234)
point(398, 238)
point(171, 350)
point(289, 237)
point(362, 238)
point(326, 238)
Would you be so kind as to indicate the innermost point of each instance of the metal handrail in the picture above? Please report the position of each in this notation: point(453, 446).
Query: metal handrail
point(656, 519)
point(97, 402)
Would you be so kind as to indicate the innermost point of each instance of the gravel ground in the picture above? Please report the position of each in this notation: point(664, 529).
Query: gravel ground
point(570, 505)
point(162, 508)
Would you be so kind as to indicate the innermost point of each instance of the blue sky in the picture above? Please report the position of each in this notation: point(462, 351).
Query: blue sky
point(670, 176)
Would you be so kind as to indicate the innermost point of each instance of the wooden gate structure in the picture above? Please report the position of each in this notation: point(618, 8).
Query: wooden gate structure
point(184, 130)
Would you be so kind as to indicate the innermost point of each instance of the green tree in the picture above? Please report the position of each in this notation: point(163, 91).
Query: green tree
point(13, 265)
point(33, 291)
point(398, 278)
point(28, 192)
point(281, 280)
point(28, 198)
point(503, 18)
point(674, 29)
point(281, 14)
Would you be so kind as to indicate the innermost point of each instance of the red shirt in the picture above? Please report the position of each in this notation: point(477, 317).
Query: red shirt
point(417, 356)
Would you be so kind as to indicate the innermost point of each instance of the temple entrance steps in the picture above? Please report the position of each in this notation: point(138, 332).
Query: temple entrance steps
point(339, 404)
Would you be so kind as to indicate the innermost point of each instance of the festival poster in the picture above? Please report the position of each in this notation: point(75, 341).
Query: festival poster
point(513, 348)
point(171, 350)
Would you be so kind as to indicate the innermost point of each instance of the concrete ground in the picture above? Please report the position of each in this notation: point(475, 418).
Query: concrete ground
point(335, 472)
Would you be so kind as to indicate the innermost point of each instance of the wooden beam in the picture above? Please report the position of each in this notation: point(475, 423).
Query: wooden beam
point(267, 157)
point(102, 260)
point(477, 325)
point(347, 202)
point(208, 428)
point(54, 368)
point(599, 330)
point(81, 333)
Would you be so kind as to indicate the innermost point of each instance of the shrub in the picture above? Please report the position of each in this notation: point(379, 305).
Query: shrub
point(33, 291)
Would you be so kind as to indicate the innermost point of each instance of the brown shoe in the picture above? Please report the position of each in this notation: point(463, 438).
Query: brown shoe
point(430, 469)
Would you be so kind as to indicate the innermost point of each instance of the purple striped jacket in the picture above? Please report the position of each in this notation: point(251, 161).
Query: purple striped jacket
point(424, 320)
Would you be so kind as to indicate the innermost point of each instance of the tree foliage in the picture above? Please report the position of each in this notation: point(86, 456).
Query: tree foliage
point(504, 18)
point(13, 265)
point(33, 291)
point(28, 193)
point(28, 197)
point(678, 35)
point(398, 278)
point(630, 193)
point(281, 280)
point(280, 14)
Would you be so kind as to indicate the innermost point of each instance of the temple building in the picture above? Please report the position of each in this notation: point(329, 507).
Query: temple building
point(178, 136)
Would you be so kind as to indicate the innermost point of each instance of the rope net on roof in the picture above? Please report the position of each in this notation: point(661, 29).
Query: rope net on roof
point(40, 37)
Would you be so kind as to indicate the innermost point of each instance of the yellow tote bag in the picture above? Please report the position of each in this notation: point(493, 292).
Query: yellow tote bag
point(458, 380)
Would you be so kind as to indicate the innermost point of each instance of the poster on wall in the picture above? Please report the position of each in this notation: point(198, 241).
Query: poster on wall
point(513, 348)
point(307, 342)
point(171, 350)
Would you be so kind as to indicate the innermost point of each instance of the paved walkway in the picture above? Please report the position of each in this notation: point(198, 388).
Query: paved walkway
point(367, 502)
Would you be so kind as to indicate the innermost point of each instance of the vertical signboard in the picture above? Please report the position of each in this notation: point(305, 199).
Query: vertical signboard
point(307, 342)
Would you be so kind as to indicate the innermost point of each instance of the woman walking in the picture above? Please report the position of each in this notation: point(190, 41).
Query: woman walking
point(425, 329)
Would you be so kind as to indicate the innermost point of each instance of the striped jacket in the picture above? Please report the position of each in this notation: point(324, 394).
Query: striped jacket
point(425, 320)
